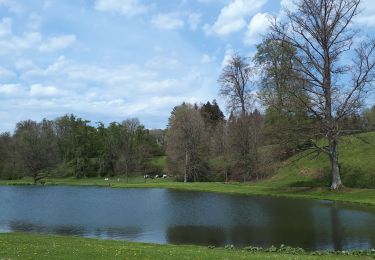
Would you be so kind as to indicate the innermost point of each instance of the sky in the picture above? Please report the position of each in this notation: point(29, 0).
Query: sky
point(109, 60)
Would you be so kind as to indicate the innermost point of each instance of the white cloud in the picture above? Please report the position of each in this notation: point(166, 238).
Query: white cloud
point(367, 15)
point(5, 26)
point(176, 20)
point(207, 58)
point(57, 43)
point(30, 39)
point(257, 26)
point(12, 5)
point(227, 56)
point(24, 64)
point(124, 7)
point(194, 20)
point(9, 89)
point(287, 5)
point(168, 21)
point(41, 90)
point(232, 16)
point(108, 92)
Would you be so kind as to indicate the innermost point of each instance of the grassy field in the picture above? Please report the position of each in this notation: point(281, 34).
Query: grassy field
point(27, 246)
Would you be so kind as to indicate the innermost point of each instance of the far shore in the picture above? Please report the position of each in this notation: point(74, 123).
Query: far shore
point(264, 188)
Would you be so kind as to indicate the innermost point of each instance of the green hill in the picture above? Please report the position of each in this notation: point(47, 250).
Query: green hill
point(357, 164)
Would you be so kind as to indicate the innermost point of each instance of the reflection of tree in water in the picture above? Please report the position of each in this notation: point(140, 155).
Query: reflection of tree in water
point(200, 235)
point(336, 228)
point(129, 233)
point(21, 226)
point(277, 221)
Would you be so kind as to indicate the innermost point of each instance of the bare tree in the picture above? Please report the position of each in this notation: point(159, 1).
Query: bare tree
point(186, 143)
point(321, 33)
point(235, 81)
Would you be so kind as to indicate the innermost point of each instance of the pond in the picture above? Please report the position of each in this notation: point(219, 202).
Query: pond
point(180, 217)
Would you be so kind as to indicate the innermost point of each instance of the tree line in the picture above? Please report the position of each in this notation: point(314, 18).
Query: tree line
point(71, 146)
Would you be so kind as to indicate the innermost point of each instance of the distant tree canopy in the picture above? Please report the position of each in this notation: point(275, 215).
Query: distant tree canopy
point(70, 146)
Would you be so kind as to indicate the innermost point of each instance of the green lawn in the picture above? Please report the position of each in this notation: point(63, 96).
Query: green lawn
point(27, 246)
point(159, 161)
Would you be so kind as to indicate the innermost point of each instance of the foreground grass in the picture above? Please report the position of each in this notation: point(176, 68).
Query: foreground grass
point(27, 246)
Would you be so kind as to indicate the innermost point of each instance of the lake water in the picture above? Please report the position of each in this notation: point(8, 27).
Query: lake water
point(179, 217)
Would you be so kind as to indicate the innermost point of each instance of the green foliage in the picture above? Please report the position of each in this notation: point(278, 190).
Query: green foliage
point(71, 146)
point(211, 113)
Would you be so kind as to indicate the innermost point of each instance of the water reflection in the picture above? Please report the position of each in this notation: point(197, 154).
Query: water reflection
point(130, 233)
point(178, 217)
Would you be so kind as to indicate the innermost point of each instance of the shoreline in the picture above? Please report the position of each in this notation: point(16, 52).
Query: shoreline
point(365, 197)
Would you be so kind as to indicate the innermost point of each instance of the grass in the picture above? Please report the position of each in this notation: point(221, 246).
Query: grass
point(159, 161)
point(357, 164)
point(28, 246)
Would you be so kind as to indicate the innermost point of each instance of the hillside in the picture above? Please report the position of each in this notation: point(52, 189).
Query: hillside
point(357, 163)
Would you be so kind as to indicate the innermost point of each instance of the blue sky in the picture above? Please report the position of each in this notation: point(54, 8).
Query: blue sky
point(108, 60)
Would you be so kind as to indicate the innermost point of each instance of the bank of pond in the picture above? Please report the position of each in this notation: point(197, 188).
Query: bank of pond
point(165, 216)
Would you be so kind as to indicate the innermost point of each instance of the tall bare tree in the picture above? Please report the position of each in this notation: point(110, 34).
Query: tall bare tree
point(186, 143)
point(236, 82)
point(321, 31)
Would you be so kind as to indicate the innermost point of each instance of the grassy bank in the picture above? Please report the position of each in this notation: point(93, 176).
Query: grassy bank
point(27, 246)
point(301, 176)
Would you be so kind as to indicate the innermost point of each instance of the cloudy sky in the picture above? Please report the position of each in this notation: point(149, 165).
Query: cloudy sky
point(108, 60)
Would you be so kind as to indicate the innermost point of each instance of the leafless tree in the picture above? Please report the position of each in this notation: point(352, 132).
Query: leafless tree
point(186, 143)
point(236, 82)
point(321, 31)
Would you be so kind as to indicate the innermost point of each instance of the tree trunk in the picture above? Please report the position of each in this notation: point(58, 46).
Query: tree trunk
point(335, 170)
point(126, 172)
point(186, 166)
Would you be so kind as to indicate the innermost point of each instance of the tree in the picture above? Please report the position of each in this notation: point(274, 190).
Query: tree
point(369, 117)
point(211, 113)
point(186, 143)
point(322, 34)
point(235, 81)
point(8, 157)
point(37, 147)
point(287, 122)
point(244, 138)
